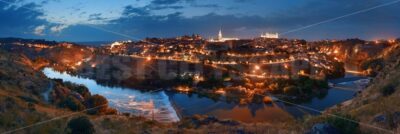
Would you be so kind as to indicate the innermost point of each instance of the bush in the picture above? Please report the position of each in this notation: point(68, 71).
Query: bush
point(80, 125)
point(388, 90)
point(211, 83)
point(82, 90)
point(72, 103)
point(343, 123)
point(291, 90)
point(98, 102)
point(338, 71)
point(376, 65)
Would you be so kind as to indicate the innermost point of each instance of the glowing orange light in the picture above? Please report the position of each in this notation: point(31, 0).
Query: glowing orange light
point(183, 88)
point(78, 64)
point(286, 66)
point(220, 91)
point(336, 51)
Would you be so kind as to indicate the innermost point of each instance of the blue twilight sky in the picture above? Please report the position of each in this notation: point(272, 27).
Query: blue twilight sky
point(107, 20)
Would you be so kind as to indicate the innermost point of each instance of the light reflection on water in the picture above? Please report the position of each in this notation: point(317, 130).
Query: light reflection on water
point(151, 105)
point(158, 105)
point(276, 112)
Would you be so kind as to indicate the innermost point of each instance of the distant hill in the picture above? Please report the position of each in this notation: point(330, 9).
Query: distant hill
point(21, 40)
point(95, 43)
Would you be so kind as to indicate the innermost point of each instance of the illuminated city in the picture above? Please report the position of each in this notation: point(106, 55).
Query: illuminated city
point(171, 66)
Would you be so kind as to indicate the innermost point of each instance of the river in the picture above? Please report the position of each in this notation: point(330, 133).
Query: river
point(166, 106)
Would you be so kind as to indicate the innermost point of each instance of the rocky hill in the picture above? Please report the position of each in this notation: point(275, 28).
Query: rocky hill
point(378, 104)
point(29, 98)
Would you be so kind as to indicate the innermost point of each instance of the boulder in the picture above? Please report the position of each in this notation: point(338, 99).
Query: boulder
point(323, 128)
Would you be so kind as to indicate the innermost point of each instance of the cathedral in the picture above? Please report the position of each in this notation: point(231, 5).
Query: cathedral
point(220, 38)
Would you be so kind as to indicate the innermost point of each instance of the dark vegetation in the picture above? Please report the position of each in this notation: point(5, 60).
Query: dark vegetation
point(373, 66)
point(388, 89)
point(80, 125)
point(338, 71)
point(346, 124)
point(78, 98)
point(301, 87)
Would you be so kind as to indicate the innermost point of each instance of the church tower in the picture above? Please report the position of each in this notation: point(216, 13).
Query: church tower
point(220, 34)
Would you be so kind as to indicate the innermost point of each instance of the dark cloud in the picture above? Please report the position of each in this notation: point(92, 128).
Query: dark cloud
point(364, 25)
point(158, 7)
point(129, 11)
point(206, 5)
point(96, 17)
point(383, 20)
point(175, 24)
point(165, 2)
point(141, 22)
point(17, 20)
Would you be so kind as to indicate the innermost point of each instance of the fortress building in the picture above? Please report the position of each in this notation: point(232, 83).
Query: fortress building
point(270, 35)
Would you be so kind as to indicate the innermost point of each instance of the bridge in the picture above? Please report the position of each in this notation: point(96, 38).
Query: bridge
point(356, 83)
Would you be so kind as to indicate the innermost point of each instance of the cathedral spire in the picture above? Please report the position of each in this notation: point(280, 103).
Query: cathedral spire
point(220, 34)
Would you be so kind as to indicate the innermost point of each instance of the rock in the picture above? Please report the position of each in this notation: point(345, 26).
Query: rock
point(77, 96)
point(240, 131)
point(323, 128)
point(210, 119)
point(380, 119)
point(229, 123)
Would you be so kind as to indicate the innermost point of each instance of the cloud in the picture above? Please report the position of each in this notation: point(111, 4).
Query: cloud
point(238, 18)
point(129, 11)
point(58, 28)
point(205, 5)
point(39, 30)
point(18, 21)
point(164, 2)
point(247, 26)
point(96, 17)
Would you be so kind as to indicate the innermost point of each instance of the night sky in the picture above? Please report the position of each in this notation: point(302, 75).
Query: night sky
point(106, 20)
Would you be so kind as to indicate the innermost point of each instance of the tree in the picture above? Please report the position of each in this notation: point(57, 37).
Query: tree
point(98, 103)
point(82, 90)
point(80, 125)
point(337, 71)
point(344, 124)
point(72, 103)
point(388, 90)
point(291, 90)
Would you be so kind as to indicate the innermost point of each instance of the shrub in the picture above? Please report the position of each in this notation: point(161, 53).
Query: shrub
point(98, 102)
point(82, 90)
point(388, 90)
point(72, 103)
point(338, 71)
point(375, 65)
point(80, 125)
point(211, 83)
point(291, 90)
point(343, 123)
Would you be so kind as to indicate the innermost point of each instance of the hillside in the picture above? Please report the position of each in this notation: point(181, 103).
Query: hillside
point(28, 98)
point(379, 103)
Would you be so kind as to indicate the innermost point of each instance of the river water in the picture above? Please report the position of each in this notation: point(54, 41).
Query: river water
point(166, 106)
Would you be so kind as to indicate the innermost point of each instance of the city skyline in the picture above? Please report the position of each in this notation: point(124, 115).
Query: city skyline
point(123, 20)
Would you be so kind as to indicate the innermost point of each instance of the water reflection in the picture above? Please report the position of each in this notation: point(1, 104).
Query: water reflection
point(165, 106)
point(151, 105)
point(275, 112)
